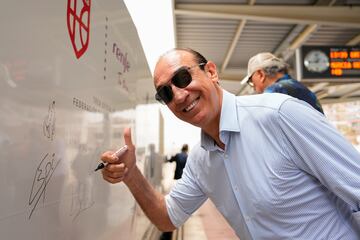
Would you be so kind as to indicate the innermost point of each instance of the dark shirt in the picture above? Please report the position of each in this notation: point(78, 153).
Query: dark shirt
point(180, 160)
point(294, 88)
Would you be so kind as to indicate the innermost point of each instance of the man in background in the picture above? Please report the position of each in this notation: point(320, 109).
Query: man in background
point(180, 159)
point(269, 74)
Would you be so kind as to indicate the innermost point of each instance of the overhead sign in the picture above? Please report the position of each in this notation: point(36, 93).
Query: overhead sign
point(340, 63)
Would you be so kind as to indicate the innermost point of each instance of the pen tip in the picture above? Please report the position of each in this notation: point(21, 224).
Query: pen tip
point(100, 166)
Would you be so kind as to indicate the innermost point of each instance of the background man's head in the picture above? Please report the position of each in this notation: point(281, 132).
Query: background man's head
point(264, 69)
point(185, 148)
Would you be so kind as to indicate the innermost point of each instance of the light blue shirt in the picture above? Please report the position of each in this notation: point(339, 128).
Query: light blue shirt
point(285, 173)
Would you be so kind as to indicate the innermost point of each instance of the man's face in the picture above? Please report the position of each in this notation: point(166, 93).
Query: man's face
point(258, 80)
point(198, 103)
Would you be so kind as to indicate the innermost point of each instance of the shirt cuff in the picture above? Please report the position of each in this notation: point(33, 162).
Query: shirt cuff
point(176, 215)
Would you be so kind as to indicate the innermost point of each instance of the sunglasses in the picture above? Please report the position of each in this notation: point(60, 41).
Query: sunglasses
point(250, 81)
point(181, 79)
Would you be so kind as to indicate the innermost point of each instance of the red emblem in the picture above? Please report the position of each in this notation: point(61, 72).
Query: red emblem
point(78, 23)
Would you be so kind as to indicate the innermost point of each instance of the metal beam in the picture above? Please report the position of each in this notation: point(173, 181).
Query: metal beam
point(319, 87)
point(282, 48)
point(336, 16)
point(174, 22)
point(233, 45)
point(354, 41)
point(299, 40)
point(322, 95)
point(233, 74)
point(303, 36)
point(251, 2)
point(242, 87)
point(350, 92)
point(234, 41)
point(338, 100)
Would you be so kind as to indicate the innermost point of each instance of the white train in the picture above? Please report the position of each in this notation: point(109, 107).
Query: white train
point(71, 74)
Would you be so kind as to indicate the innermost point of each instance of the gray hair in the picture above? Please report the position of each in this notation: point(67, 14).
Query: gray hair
point(271, 71)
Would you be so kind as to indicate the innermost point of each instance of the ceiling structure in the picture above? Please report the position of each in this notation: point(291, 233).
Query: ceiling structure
point(229, 32)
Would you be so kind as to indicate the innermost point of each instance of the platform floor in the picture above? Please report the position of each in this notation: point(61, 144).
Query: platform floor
point(208, 224)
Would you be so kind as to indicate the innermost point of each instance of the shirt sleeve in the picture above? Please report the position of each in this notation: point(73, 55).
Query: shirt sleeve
point(185, 197)
point(173, 158)
point(322, 152)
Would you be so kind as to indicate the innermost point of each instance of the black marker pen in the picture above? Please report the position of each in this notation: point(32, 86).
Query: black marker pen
point(118, 153)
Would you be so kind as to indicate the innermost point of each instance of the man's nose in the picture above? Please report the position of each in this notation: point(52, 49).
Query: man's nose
point(179, 94)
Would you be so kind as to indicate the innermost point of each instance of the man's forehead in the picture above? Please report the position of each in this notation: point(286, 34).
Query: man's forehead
point(171, 61)
point(176, 57)
point(172, 58)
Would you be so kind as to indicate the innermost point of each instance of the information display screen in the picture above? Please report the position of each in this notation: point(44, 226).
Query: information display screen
point(330, 62)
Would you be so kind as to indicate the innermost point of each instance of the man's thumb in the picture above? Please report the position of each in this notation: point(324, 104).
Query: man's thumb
point(127, 137)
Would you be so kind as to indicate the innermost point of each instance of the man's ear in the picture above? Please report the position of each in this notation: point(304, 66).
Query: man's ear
point(211, 71)
point(262, 75)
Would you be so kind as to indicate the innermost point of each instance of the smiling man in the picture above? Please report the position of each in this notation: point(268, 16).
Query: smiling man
point(273, 166)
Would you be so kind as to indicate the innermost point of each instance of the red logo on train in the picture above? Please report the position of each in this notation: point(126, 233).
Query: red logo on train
point(78, 23)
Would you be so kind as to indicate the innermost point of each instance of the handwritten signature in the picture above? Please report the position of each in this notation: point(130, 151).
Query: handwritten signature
point(82, 199)
point(42, 176)
point(49, 122)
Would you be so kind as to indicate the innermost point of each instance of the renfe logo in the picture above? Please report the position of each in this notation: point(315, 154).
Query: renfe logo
point(78, 23)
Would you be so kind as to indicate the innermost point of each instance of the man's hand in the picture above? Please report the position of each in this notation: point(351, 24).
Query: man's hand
point(119, 168)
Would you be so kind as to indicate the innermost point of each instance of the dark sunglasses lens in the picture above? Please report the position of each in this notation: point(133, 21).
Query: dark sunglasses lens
point(182, 78)
point(250, 82)
point(164, 94)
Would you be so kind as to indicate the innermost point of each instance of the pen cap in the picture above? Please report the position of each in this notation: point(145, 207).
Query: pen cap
point(121, 151)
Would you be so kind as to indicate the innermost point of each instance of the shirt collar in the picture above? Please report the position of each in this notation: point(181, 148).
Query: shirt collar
point(228, 122)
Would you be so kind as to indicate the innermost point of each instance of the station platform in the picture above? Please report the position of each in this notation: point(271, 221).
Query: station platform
point(207, 224)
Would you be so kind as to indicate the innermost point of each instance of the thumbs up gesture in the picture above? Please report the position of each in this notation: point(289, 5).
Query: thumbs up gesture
point(119, 168)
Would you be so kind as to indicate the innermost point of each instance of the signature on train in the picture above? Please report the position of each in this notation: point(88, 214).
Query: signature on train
point(43, 174)
point(49, 122)
point(82, 199)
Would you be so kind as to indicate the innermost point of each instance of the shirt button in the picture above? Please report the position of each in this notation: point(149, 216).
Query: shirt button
point(247, 218)
point(236, 188)
point(226, 155)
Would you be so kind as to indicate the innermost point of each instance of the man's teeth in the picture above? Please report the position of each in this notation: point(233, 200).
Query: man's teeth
point(188, 108)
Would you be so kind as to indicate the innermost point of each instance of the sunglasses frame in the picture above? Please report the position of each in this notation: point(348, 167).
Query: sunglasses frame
point(250, 81)
point(173, 82)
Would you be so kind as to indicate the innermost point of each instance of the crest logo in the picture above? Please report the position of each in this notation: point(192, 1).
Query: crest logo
point(78, 23)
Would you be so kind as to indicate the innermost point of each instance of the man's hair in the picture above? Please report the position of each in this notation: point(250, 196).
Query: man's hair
point(199, 58)
point(185, 148)
point(272, 71)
